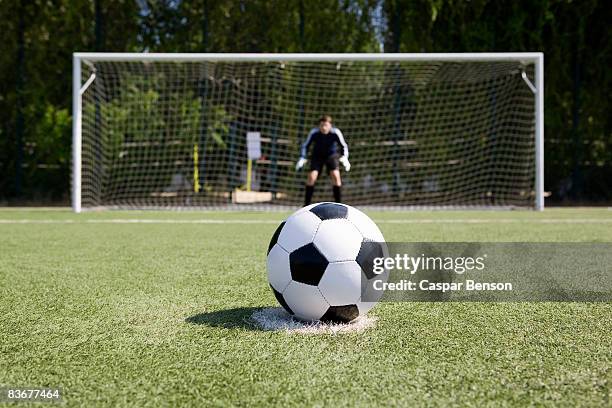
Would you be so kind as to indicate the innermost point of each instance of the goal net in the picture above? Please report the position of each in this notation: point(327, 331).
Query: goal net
point(157, 130)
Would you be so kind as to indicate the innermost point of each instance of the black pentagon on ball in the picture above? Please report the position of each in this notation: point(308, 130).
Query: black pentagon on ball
point(365, 258)
point(329, 211)
point(341, 314)
point(275, 236)
point(307, 265)
point(281, 300)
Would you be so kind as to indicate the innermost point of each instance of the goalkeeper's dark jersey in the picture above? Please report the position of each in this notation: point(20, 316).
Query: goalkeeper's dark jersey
point(324, 145)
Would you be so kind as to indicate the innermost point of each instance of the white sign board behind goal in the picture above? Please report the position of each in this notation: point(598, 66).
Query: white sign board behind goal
point(254, 145)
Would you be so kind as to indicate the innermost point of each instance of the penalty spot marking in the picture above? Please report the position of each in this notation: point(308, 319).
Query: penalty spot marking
point(277, 319)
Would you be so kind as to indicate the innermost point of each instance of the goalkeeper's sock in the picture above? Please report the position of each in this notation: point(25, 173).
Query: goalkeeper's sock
point(337, 194)
point(308, 195)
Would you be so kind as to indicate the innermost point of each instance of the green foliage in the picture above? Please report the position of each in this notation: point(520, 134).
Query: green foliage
point(174, 119)
point(575, 37)
point(47, 151)
point(217, 127)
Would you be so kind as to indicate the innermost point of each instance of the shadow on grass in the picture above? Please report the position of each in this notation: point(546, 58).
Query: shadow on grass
point(238, 317)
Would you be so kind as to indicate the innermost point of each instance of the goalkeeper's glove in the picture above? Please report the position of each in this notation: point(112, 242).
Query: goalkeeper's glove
point(300, 163)
point(345, 163)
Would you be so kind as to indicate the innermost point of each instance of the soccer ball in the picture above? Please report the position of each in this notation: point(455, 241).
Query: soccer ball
point(320, 260)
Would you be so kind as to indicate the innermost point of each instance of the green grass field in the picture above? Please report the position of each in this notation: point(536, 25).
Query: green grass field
point(149, 309)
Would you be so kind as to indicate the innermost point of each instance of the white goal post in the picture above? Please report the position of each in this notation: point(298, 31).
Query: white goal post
point(222, 96)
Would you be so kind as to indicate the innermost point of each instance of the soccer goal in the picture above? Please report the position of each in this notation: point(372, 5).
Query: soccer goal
point(224, 130)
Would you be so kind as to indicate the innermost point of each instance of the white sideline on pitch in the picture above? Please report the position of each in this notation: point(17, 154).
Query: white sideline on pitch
point(276, 222)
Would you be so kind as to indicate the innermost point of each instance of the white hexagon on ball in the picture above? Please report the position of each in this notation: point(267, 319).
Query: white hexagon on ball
point(338, 240)
point(299, 230)
point(306, 301)
point(365, 225)
point(279, 274)
point(341, 283)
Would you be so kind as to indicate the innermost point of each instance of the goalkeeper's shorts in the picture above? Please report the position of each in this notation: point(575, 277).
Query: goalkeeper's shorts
point(330, 162)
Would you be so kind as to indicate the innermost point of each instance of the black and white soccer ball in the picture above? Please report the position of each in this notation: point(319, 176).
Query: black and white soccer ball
point(320, 260)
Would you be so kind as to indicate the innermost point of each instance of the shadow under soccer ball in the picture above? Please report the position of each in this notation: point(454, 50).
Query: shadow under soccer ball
point(229, 318)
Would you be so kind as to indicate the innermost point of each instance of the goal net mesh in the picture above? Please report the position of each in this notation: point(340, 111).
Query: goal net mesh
point(431, 134)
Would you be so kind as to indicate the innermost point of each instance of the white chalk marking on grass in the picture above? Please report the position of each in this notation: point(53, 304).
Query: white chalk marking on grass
point(34, 209)
point(137, 221)
point(277, 319)
point(500, 221)
point(276, 222)
point(26, 221)
point(171, 221)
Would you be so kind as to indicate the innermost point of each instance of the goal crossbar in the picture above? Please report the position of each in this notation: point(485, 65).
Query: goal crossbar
point(534, 57)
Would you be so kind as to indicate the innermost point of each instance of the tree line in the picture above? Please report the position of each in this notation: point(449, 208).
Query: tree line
point(40, 36)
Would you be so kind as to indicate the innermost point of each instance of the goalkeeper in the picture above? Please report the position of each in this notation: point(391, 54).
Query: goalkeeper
point(329, 149)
